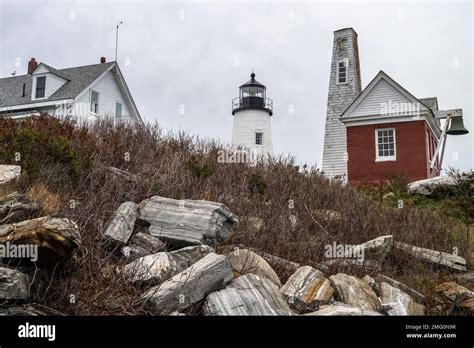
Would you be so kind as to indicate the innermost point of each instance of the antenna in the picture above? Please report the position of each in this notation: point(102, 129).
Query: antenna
point(116, 39)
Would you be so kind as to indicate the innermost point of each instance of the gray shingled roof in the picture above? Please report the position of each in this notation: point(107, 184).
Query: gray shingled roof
point(11, 88)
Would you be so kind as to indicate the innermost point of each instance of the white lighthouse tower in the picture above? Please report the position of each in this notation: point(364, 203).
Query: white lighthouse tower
point(252, 111)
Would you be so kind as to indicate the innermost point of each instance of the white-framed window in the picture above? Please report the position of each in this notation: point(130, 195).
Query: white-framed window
point(258, 138)
point(118, 109)
point(341, 71)
point(40, 87)
point(385, 144)
point(94, 101)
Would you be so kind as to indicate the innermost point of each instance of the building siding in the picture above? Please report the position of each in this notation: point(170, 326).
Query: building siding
point(53, 83)
point(246, 123)
point(340, 96)
point(374, 102)
point(109, 93)
point(411, 153)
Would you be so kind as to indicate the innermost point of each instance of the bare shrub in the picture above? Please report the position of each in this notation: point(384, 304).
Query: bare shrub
point(184, 166)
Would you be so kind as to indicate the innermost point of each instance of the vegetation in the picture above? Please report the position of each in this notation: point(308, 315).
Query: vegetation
point(71, 161)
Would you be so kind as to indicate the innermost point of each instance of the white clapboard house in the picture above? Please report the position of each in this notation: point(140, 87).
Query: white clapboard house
point(87, 92)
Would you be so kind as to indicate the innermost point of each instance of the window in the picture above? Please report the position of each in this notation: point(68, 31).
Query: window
point(385, 144)
point(258, 138)
point(40, 87)
point(342, 71)
point(118, 109)
point(94, 102)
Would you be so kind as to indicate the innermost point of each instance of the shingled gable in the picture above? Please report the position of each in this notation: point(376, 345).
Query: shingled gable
point(348, 115)
point(77, 82)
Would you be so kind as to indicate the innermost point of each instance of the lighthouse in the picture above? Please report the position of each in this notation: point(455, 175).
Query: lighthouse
point(252, 111)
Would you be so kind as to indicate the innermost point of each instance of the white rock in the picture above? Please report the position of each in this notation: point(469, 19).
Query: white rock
point(187, 222)
point(156, 268)
point(392, 295)
point(394, 308)
point(119, 228)
point(9, 173)
point(211, 273)
point(307, 286)
point(426, 186)
point(244, 261)
point(343, 310)
point(14, 285)
point(437, 257)
point(247, 295)
point(354, 291)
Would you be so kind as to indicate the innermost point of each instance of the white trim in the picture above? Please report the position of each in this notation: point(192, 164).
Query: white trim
point(35, 85)
point(121, 108)
point(36, 105)
point(379, 158)
point(131, 103)
point(346, 65)
point(98, 102)
point(379, 119)
point(367, 90)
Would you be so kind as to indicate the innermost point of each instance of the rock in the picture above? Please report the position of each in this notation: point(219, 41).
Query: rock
point(14, 285)
point(276, 260)
point(211, 273)
point(244, 261)
point(142, 244)
point(122, 174)
point(328, 215)
point(393, 297)
point(343, 310)
point(394, 308)
point(253, 222)
point(187, 222)
point(26, 310)
point(427, 186)
point(368, 255)
point(453, 292)
point(466, 279)
point(373, 284)
point(16, 208)
point(417, 297)
point(56, 238)
point(307, 287)
point(454, 299)
point(119, 228)
point(249, 294)
point(347, 265)
point(156, 268)
point(9, 173)
point(353, 291)
point(437, 257)
point(377, 248)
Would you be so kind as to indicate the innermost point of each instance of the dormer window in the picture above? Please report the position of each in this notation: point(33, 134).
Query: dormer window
point(341, 77)
point(40, 87)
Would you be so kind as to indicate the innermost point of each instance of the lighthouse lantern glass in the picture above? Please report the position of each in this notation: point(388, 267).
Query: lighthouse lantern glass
point(252, 91)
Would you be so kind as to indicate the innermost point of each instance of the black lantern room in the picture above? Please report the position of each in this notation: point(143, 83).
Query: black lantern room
point(252, 95)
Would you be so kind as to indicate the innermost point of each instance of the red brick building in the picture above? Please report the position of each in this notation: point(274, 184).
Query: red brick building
point(390, 132)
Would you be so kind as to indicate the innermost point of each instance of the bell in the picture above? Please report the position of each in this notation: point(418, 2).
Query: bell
point(457, 127)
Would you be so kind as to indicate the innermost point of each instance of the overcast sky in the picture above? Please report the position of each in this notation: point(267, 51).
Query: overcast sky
point(196, 54)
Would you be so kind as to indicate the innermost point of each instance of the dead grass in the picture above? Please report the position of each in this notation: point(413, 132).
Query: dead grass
point(183, 166)
point(49, 202)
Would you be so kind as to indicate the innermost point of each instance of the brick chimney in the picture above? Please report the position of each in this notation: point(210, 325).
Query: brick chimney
point(32, 65)
point(102, 60)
